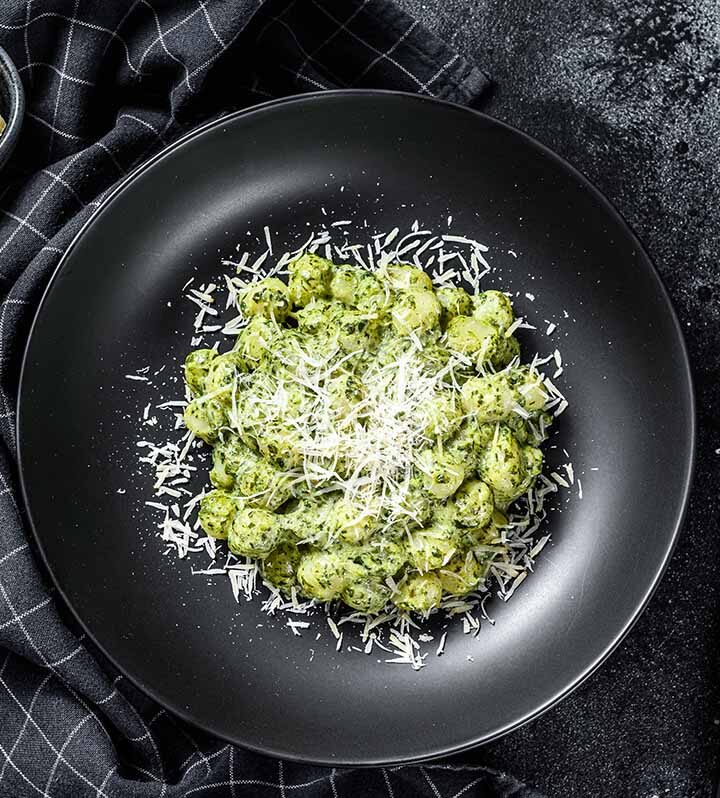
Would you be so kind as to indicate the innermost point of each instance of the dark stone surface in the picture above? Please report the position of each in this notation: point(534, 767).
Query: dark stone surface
point(629, 92)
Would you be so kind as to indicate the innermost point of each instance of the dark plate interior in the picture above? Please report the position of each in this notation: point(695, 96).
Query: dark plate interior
point(113, 307)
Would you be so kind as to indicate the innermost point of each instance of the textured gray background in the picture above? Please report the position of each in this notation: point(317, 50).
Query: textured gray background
point(629, 92)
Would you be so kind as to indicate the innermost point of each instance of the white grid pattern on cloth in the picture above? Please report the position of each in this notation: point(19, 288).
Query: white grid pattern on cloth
point(25, 37)
point(342, 26)
point(91, 26)
point(68, 44)
point(37, 692)
point(339, 29)
point(161, 39)
point(58, 698)
point(391, 49)
point(298, 73)
point(391, 793)
point(59, 72)
point(43, 736)
point(54, 130)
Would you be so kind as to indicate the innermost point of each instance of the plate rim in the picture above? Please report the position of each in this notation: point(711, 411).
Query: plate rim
point(10, 77)
point(691, 422)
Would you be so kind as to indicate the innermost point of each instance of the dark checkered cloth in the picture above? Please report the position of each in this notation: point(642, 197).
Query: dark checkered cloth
point(108, 84)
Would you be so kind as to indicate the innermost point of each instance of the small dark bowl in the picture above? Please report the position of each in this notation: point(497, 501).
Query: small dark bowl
point(12, 106)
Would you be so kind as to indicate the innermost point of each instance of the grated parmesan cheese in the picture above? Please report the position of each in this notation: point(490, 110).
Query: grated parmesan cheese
point(454, 258)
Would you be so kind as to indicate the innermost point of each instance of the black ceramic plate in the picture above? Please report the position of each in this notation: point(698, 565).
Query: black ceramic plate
point(389, 159)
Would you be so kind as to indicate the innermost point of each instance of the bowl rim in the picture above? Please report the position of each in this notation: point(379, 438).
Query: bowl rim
point(677, 522)
point(10, 78)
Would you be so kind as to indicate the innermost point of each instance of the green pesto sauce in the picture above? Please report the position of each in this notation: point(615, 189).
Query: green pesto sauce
point(368, 433)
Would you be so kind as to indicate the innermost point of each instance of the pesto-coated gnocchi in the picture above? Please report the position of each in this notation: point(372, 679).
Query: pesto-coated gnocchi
point(369, 433)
